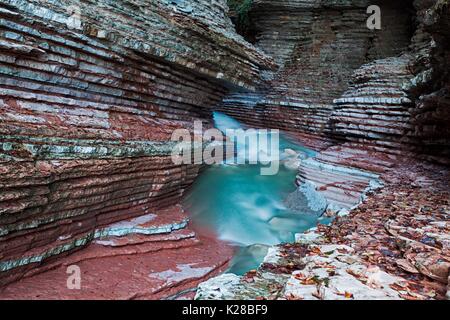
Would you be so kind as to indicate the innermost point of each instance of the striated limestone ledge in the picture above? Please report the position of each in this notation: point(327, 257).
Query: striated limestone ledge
point(387, 89)
point(318, 45)
point(90, 93)
point(399, 105)
point(343, 188)
point(375, 110)
point(338, 177)
point(136, 226)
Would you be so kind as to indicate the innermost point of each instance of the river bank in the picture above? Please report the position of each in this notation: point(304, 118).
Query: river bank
point(395, 245)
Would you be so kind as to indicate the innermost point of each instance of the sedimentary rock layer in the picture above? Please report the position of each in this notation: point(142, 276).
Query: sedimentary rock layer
point(400, 104)
point(430, 89)
point(339, 79)
point(395, 244)
point(319, 45)
point(149, 257)
point(343, 188)
point(90, 93)
point(375, 110)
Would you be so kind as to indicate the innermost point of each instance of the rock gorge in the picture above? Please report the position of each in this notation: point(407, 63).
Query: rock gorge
point(324, 46)
point(91, 92)
point(90, 95)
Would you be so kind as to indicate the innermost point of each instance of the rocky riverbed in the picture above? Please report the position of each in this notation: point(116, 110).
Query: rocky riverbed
point(395, 245)
point(386, 117)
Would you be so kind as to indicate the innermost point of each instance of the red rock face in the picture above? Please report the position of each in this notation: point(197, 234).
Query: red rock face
point(136, 266)
point(318, 45)
point(89, 99)
point(385, 89)
point(80, 197)
point(90, 95)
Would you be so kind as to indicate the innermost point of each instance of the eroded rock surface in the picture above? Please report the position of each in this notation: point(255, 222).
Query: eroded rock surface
point(387, 89)
point(90, 93)
point(393, 246)
point(328, 272)
point(391, 243)
point(150, 257)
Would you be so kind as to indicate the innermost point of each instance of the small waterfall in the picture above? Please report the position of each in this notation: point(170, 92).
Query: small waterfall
point(245, 208)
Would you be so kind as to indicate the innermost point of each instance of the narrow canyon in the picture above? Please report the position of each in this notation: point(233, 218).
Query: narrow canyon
point(92, 91)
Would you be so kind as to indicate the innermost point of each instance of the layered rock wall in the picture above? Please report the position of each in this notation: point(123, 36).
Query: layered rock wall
point(90, 93)
point(386, 90)
point(399, 105)
point(395, 105)
point(318, 46)
point(375, 110)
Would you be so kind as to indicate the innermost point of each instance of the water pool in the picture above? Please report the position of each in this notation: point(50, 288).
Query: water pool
point(245, 208)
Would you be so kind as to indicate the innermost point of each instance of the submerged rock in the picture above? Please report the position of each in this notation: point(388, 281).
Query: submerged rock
point(306, 200)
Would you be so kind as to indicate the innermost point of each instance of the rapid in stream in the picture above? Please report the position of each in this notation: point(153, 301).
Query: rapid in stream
point(245, 208)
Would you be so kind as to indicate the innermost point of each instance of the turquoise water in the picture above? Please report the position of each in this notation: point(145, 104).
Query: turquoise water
point(245, 208)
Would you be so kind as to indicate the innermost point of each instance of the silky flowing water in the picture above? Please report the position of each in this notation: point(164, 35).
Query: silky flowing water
point(245, 208)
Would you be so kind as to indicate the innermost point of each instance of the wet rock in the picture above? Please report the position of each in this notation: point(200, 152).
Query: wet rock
point(333, 187)
point(305, 200)
point(150, 257)
point(292, 159)
point(318, 45)
point(247, 257)
point(90, 96)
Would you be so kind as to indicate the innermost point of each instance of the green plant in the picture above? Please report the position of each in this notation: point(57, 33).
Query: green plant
point(241, 8)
